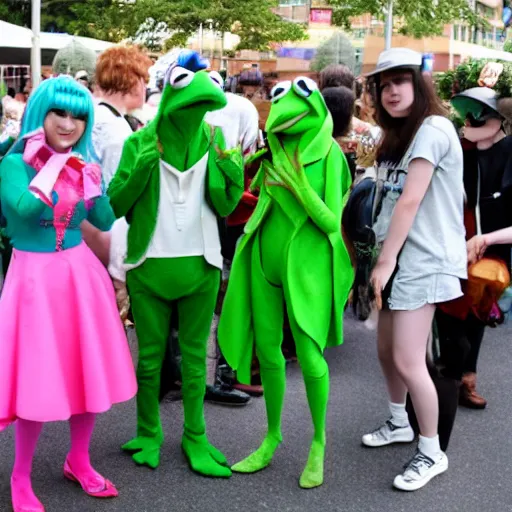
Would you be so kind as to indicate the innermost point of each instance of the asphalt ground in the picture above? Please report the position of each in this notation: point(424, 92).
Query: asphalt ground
point(357, 479)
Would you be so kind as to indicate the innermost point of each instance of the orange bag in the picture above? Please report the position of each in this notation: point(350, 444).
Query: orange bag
point(487, 280)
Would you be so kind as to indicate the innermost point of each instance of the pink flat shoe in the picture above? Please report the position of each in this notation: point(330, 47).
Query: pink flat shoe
point(108, 491)
point(20, 503)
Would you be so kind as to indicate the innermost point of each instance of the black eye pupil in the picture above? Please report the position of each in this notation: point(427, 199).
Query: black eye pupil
point(278, 91)
point(180, 78)
point(303, 86)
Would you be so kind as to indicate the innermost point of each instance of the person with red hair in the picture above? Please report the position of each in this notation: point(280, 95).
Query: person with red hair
point(122, 73)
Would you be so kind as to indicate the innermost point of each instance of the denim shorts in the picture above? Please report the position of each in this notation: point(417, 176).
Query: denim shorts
point(408, 293)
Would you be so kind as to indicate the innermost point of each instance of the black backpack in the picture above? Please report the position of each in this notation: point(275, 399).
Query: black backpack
point(358, 217)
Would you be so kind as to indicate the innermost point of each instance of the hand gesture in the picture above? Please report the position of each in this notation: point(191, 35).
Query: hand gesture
point(292, 177)
point(380, 277)
point(236, 154)
point(476, 248)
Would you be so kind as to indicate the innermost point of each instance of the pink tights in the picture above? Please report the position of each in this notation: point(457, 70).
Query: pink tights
point(27, 436)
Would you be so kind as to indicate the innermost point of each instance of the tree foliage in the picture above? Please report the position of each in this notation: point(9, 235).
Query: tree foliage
point(254, 21)
point(110, 20)
point(14, 11)
point(466, 75)
point(336, 50)
point(417, 18)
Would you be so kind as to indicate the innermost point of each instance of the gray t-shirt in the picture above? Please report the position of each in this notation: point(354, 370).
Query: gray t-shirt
point(436, 241)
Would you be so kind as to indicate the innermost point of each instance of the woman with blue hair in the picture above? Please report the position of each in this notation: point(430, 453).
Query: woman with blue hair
point(63, 350)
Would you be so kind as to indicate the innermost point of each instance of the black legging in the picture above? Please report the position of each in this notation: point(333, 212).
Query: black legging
point(460, 342)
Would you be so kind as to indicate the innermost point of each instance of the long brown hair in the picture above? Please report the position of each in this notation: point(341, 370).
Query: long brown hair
point(399, 132)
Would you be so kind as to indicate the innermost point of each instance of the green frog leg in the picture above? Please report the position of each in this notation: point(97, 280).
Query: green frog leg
point(195, 313)
point(153, 287)
point(152, 317)
point(268, 315)
point(316, 380)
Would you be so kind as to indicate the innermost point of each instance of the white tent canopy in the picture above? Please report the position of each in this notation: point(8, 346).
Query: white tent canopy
point(13, 36)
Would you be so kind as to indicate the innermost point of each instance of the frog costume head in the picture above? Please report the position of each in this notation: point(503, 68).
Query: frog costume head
point(297, 107)
point(189, 92)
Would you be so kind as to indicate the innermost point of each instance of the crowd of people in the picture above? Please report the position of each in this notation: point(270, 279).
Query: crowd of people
point(189, 210)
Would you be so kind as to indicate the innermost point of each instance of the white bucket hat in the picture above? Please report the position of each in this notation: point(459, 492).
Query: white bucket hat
point(397, 58)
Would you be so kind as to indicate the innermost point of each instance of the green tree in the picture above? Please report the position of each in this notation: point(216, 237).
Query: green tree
point(507, 47)
point(417, 18)
point(336, 50)
point(110, 20)
point(257, 25)
point(254, 21)
point(14, 11)
point(114, 20)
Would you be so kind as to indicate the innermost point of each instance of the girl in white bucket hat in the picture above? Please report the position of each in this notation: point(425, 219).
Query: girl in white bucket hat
point(419, 234)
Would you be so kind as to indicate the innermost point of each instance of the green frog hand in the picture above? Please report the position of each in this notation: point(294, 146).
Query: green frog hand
point(271, 176)
point(252, 157)
point(235, 154)
point(294, 178)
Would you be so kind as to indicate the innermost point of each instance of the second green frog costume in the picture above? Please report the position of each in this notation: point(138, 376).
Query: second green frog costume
point(292, 255)
point(172, 183)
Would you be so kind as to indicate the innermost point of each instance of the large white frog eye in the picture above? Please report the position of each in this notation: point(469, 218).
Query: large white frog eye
point(217, 79)
point(279, 90)
point(304, 86)
point(180, 77)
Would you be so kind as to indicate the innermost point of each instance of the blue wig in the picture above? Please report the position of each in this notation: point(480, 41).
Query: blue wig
point(191, 60)
point(61, 93)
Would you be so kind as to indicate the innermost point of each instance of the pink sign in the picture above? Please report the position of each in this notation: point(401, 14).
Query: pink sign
point(323, 16)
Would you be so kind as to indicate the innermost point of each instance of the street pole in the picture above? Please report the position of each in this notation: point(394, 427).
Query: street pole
point(389, 25)
point(337, 47)
point(212, 35)
point(201, 39)
point(35, 57)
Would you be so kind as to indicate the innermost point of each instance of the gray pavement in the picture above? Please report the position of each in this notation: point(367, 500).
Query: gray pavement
point(356, 479)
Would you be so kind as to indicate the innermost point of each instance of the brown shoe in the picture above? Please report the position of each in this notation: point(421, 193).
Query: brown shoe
point(252, 390)
point(468, 396)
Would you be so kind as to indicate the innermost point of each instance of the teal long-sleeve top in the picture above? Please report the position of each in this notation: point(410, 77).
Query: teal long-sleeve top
point(30, 221)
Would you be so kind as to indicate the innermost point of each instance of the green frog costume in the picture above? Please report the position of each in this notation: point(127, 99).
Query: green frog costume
point(173, 182)
point(292, 255)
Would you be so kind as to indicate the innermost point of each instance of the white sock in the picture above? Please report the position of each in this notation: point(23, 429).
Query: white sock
point(399, 415)
point(430, 447)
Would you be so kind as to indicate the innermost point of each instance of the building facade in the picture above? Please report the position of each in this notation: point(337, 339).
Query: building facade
point(457, 42)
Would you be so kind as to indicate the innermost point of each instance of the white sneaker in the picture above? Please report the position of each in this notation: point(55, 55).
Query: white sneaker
point(389, 434)
point(420, 470)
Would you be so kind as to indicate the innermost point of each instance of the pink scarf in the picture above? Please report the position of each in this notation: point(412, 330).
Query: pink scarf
point(66, 174)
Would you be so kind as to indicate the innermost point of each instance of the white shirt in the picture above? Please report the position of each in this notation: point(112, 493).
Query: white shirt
point(179, 230)
point(185, 226)
point(238, 121)
point(109, 134)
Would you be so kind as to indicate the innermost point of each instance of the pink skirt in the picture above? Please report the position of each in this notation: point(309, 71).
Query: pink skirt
point(63, 349)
